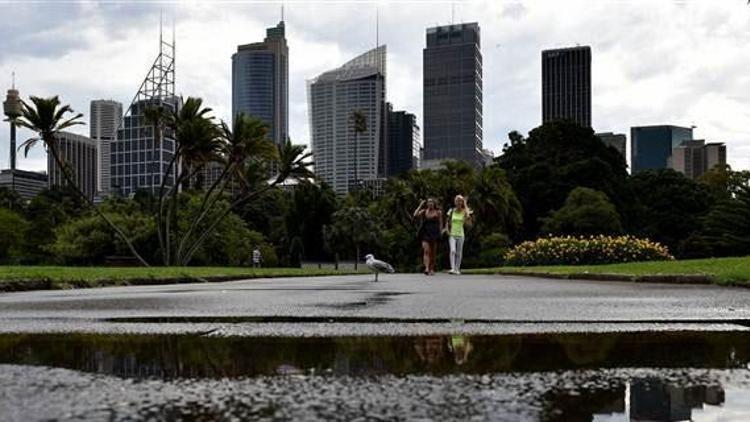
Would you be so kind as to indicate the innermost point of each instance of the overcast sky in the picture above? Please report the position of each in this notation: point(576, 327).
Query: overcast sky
point(654, 61)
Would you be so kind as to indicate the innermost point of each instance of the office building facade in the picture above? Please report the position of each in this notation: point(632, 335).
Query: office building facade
point(452, 94)
point(651, 146)
point(343, 158)
point(260, 82)
point(105, 118)
point(566, 85)
point(79, 155)
point(27, 184)
point(136, 161)
point(694, 158)
point(617, 141)
point(404, 146)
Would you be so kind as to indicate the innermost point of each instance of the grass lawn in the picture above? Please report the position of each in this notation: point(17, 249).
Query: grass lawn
point(734, 271)
point(14, 278)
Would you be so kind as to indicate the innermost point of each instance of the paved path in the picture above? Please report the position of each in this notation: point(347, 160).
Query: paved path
point(358, 305)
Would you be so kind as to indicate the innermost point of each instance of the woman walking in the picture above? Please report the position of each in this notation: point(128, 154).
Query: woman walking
point(429, 232)
point(458, 217)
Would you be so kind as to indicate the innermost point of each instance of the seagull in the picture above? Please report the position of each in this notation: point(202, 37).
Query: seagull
point(377, 266)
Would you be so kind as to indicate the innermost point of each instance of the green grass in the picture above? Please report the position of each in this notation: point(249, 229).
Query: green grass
point(730, 271)
point(14, 278)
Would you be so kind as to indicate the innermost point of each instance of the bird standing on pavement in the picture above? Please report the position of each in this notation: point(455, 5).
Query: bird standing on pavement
point(378, 266)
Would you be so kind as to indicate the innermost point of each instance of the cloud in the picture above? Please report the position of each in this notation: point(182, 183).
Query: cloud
point(653, 62)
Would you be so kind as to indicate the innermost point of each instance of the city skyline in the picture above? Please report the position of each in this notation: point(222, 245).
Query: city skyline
point(647, 69)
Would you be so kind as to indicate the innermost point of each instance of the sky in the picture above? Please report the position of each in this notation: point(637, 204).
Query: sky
point(682, 62)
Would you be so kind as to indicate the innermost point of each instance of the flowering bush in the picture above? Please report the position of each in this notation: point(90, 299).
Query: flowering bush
point(569, 250)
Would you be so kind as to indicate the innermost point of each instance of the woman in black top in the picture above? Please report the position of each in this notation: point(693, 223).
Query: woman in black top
point(429, 232)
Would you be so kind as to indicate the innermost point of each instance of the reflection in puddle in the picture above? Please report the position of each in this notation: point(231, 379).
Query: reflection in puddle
point(570, 377)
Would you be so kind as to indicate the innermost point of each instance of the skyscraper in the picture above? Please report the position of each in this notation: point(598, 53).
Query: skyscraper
point(105, 118)
point(566, 85)
point(452, 94)
point(404, 146)
point(651, 146)
point(137, 161)
point(617, 141)
point(694, 158)
point(79, 153)
point(343, 158)
point(260, 76)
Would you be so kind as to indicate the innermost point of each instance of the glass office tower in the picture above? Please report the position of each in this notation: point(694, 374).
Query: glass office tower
point(452, 94)
point(566, 85)
point(260, 75)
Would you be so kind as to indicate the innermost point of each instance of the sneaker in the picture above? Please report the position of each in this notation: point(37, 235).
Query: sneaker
point(453, 272)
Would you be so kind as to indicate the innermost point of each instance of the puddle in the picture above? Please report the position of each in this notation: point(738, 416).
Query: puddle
point(664, 376)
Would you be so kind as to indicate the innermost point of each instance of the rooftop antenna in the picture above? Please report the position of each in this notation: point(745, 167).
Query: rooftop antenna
point(453, 13)
point(377, 26)
point(13, 79)
point(161, 23)
point(282, 11)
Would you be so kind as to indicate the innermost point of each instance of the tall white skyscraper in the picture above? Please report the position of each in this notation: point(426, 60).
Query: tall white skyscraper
point(105, 116)
point(343, 159)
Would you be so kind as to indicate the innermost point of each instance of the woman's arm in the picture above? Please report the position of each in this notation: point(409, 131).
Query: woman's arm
point(419, 211)
point(440, 216)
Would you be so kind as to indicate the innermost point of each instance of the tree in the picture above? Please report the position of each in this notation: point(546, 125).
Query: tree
point(10, 199)
point(88, 239)
point(45, 212)
point(726, 228)
point(12, 228)
point(723, 182)
point(359, 122)
point(670, 207)
point(556, 158)
point(47, 117)
point(311, 208)
point(586, 212)
point(354, 228)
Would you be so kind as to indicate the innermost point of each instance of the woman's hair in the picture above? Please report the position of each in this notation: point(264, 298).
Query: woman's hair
point(434, 202)
point(463, 203)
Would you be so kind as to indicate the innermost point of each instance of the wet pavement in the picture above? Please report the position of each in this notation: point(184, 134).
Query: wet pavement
point(407, 348)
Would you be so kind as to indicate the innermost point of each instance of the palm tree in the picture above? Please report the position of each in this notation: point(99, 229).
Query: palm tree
point(293, 162)
point(47, 117)
point(359, 121)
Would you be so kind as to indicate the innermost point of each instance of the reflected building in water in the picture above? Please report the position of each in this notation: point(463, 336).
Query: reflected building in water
point(655, 400)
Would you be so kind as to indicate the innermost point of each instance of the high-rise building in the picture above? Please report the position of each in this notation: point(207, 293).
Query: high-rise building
point(27, 184)
point(344, 158)
point(260, 82)
point(137, 161)
point(452, 94)
point(694, 158)
point(105, 118)
point(651, 146)
point(617, 141)
point(79, 154)
point(566, 85)
point(404, 146)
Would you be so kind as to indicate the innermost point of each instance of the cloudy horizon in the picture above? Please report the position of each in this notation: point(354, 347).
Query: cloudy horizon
point(672, 62)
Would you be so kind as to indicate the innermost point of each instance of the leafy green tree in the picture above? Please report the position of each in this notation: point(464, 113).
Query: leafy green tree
point(354, 228)
point(88, 239)
point(12, 227)
point(586, 212)
point(725, 183)
point(556, 158)
point(311, 208)
point(10, 199)
point(45, 212)
point(670, 207)
point(726, 228)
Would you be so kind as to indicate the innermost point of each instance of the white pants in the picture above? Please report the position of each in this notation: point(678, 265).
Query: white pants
point(457, 250)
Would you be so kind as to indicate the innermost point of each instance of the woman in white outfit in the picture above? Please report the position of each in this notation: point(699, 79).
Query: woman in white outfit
point(458, 218)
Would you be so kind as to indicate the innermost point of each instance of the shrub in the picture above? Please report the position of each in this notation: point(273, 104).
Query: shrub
point(570, 250)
